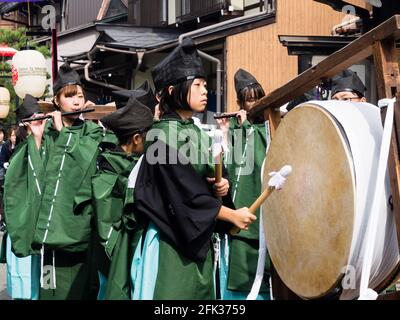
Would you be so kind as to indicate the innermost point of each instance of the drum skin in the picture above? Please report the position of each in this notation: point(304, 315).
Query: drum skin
point(309, 223)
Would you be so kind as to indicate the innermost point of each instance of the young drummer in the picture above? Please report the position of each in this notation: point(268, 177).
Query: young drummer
point(118, 228)
point(48, 193)
point(172, 190)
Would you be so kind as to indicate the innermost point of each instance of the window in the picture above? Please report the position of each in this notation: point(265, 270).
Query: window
point(189, 9)
point(148, 12)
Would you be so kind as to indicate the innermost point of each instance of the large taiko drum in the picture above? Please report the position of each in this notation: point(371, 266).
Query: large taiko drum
point(315, 227)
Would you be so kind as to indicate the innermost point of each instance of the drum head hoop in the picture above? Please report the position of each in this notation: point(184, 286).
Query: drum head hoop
point(309, 224)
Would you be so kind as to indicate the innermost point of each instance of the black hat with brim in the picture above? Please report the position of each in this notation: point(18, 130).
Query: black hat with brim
point(348, 81)
point(143, 94)
point(66, 76)
point(28, 107)
point(133, 118)
point(243, 79)
point(182, 64)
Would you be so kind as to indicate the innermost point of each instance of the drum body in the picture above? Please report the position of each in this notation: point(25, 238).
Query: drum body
point(315, 227)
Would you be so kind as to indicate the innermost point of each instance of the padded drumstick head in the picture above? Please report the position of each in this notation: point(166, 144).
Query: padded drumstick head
point(286, 171)
point(217, 143)
point(278, 179)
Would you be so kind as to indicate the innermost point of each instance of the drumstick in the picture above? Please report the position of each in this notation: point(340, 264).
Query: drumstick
point(217, 154)
point(260, 200)
point(276, 182)
point(218, 169)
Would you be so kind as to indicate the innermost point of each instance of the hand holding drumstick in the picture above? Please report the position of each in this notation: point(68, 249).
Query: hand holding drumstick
point(276, 182)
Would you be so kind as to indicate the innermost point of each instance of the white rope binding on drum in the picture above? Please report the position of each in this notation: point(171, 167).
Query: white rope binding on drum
point(367, 293)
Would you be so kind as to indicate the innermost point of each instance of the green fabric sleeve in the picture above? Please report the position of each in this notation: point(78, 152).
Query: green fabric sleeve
point(25, 178)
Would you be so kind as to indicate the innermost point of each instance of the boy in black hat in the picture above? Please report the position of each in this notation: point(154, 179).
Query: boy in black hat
point(48, 192)
point(112, 201)
point(348, 87)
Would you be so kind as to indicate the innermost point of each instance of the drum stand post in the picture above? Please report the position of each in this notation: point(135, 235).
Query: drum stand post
point(388, 85)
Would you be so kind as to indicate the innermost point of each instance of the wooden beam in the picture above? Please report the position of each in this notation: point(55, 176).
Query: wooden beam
point(357, 50)
point(100, 112)
point(46, 106)
point(103, 9)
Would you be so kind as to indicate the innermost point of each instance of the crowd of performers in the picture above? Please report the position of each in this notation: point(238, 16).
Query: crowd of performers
point(129, 208)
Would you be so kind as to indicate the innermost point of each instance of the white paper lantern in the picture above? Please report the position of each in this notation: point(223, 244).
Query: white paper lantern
point(7, 52)
point(4, 102)
point(29, 73)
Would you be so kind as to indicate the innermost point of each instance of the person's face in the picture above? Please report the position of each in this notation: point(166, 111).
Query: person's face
point(249, 101)
point(1, 136)
point(197, 97)
point(348, 96)
point(71, 104)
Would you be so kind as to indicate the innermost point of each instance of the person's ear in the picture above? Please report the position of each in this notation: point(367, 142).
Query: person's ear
point(170, 89)
point(136, 139)
point(363, 99)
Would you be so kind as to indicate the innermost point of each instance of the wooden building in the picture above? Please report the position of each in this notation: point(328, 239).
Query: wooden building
point(12, 20)
point(240, 33)
point(250, 42)
point(260, 52)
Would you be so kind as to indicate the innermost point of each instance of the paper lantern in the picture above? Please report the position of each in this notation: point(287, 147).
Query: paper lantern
point(4, 102)
point(7, 51)
point(29, 73)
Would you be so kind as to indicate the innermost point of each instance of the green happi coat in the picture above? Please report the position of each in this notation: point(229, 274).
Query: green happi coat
point(118, 229)
point(246, 188)
point(48, 202)
point(190, 206)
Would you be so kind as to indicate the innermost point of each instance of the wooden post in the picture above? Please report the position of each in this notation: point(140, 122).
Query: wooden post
point(387, 68)
point(388, 83)
point(274, 118)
